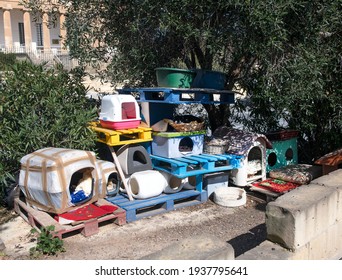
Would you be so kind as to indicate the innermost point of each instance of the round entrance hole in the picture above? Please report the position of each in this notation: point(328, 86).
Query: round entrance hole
point(289, 154)
point(272, 159)
point(186, 145)
point(113, 184)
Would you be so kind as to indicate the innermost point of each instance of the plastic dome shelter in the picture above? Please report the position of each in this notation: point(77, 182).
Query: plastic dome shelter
point(51, 178)
point(119, 112)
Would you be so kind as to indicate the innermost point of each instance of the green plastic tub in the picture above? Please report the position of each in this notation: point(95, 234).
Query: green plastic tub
point(174, 77)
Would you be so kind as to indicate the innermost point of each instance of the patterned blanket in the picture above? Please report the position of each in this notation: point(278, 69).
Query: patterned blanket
point(238, 141)
point(297, 173)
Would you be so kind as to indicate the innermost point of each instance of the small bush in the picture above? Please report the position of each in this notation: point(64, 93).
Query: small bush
point(41, 108)
point(7, 60)
point(47, 244)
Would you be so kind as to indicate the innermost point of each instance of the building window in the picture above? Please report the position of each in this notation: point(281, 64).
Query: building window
point(39, 34)
point(21, 34)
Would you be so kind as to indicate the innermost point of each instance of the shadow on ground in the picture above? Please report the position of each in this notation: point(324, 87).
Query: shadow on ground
point(249, 240)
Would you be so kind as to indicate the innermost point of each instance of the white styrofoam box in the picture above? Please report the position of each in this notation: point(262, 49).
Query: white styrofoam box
point(213, 181)
point(179, 146)
point(119, 111)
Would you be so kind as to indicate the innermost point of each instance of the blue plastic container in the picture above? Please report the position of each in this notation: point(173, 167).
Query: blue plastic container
point(209, 79)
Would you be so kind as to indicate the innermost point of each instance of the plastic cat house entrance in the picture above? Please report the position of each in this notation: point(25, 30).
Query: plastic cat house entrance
point(56, 180)
point(134, 158)
point(252, 147)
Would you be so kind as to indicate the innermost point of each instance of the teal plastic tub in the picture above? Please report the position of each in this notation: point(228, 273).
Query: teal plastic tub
point(209, 79)
point(174, 77)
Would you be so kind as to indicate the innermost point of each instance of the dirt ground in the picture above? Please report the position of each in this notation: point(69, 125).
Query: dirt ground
point(243, 227)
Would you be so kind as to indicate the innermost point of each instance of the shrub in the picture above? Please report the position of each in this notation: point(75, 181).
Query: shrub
point(6, 60)
point(47, 244)
point(41, 108)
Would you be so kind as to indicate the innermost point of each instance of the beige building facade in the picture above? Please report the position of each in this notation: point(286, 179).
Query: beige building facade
point(20, 31)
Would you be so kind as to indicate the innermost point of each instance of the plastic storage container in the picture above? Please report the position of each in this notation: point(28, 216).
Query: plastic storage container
point(213, 181)
point(119, 112)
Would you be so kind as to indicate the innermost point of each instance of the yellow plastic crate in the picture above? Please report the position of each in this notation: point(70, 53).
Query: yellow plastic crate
point(123, 136)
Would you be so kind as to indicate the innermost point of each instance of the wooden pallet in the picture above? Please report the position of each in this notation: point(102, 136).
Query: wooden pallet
point(122, 136)
point(200, 164)
point(181, 95)
point(38, 219)
point(139, 209)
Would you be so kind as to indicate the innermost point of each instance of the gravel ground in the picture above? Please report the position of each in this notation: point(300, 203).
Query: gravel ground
point(243, 227)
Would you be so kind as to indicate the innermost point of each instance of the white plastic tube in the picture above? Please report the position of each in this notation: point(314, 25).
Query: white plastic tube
point(174, 184)
point(190, 183)
point(146, 184)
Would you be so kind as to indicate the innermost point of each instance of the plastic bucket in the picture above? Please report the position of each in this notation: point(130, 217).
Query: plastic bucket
point(174, 77)
point(146, 184)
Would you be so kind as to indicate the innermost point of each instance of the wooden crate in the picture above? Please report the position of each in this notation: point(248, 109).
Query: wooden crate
point(38, 219)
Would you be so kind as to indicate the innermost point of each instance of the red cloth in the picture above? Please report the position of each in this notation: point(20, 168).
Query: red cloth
point(85, 213)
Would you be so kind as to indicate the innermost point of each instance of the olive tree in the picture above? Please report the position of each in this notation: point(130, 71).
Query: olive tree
point(285, 55)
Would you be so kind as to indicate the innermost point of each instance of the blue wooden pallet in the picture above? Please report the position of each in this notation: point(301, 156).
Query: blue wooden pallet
point(138, 209)
point(181, 95)
point(200, 164)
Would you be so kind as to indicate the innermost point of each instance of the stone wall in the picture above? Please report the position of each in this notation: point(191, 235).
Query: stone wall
point(304, 224)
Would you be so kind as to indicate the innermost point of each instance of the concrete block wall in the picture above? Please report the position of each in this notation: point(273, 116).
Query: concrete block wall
point(305, 223)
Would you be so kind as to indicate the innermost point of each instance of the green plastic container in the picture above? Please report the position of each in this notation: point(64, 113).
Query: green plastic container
point(174, 77)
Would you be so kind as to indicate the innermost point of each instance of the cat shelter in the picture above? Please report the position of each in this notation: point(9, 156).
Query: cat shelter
point(284, 149)
point(134, 158)
point(56, 180)
point(252, 146)
point(119, 112)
